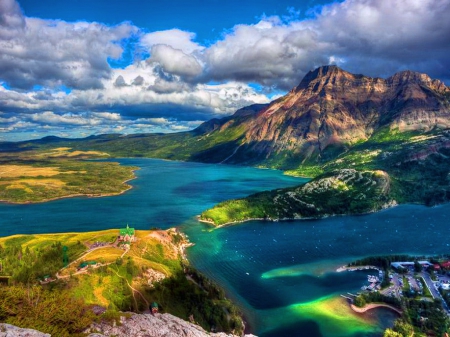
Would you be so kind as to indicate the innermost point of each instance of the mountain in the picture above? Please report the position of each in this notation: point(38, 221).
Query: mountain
point(329, 112)
point(395, 128)
point(369, 143)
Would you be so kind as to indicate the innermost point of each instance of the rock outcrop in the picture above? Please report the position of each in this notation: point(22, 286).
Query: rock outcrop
point(137, 325)
point(8, 330)
point(146, 325)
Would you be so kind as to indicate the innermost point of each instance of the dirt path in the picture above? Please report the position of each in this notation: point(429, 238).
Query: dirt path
point(133, 290)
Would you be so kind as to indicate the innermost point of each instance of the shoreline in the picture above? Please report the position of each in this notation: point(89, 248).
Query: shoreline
point(371, 306)
point(292, 219)
point(88, 195)
point(210, 222)
point(354, 268)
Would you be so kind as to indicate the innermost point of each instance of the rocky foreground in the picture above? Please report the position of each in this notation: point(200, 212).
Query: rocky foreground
point(8, 330)
point(136, 325)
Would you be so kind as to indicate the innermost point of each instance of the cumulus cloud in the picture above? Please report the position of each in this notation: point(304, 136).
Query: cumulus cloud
point(52, 53)
point(175, 61)
point(74, 119)
point(373, 37)
point(381, 37)
point(183, 82)
point(175, 38)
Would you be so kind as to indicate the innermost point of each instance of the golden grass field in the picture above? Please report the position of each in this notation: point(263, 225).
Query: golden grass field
point(36, 176)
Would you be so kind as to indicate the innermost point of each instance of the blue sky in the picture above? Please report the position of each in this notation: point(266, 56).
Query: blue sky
point(207, 18)
point(76, 68)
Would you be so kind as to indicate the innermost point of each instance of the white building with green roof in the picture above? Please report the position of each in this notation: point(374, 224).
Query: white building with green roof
point(126, 234)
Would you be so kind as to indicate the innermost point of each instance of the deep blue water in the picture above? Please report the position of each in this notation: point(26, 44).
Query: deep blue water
point(281, 274)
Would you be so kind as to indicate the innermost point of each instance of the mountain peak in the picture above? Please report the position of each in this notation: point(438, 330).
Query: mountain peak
point(327, 71)
point(408, 76)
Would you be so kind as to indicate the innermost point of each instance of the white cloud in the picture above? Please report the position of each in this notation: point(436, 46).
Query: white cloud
point(175, 38)
point(374, 37)
point(182, 82)
point(175, 61)
point(53, 52)
point(73, 119)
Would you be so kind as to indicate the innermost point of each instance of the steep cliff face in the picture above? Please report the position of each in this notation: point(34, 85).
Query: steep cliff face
point(334, 109)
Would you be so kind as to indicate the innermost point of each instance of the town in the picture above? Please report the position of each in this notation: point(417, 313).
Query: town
point(417, 289)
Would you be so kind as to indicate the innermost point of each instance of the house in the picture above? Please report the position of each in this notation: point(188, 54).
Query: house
point(126, 235)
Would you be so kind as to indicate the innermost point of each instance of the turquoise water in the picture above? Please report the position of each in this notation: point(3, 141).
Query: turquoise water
point(281, 274)
point(165, 194)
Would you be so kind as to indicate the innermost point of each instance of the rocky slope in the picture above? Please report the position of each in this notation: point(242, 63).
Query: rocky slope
point(137, 325)
point(331, 110)
point(158, 325)
point(8, 330)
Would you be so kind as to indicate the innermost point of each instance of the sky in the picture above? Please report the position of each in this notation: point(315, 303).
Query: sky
point(74, 68)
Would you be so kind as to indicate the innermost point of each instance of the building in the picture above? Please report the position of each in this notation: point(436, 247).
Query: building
point(406, 265)
point(126, 235)
point(446, 265)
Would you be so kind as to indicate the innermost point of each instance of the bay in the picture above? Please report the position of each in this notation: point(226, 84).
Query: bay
point(281, 274)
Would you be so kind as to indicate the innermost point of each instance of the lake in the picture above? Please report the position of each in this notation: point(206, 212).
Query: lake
point(282, 274)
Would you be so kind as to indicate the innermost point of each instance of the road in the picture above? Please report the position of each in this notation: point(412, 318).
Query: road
point(434, 292)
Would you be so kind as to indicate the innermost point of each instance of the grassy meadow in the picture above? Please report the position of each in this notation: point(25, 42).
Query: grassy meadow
point(37, 176)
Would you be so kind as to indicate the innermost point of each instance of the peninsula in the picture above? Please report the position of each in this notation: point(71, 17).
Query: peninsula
point(30, 176)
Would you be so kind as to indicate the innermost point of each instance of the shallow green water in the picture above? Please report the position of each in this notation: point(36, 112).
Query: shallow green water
point(281, 274)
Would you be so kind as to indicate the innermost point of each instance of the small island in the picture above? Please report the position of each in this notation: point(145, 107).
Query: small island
point(31, 176)
point(418, 289)
point(94, 277)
